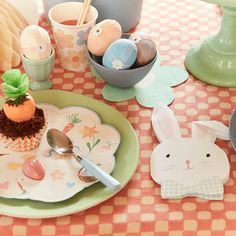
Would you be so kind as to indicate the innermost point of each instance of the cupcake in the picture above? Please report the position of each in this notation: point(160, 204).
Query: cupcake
point(22, 124)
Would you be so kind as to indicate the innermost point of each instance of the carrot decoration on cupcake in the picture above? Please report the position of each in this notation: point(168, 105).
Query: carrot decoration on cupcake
point(22, 124)
point(19, 105)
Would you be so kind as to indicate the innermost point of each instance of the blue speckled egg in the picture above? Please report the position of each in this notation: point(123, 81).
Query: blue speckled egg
point(121, 54)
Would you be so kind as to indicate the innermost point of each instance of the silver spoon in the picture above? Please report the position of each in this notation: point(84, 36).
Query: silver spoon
point(62, 144)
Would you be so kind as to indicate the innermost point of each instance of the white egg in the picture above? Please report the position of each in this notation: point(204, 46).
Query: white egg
point(35, 43)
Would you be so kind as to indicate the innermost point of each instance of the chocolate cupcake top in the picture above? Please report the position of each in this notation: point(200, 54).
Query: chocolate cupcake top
point(28, 128)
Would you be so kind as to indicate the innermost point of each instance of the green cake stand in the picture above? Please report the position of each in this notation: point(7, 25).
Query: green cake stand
point(214, 61)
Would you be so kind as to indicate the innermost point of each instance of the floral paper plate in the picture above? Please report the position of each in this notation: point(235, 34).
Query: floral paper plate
point(64, 177)
point(126, 158)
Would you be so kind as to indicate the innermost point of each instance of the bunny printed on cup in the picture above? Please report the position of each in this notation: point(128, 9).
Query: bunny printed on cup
point(188, 167)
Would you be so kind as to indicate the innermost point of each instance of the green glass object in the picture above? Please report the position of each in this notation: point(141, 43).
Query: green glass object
point(15, 84)
point(39, 71)
point(214, 61)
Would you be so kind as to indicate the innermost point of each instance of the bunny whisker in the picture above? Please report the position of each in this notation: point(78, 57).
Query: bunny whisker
point(166, 169)
point(206, 165)
point(169, 166)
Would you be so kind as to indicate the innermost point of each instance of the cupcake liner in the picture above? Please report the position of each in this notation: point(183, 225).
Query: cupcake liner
point(23, 144)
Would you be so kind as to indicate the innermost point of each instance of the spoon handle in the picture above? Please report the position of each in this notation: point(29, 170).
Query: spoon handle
point(100, 174)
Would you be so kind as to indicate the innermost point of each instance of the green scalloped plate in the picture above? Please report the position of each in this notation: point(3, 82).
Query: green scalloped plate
point(126, 161)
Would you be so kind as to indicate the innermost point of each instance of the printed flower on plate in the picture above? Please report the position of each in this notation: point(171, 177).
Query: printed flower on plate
point(64, 177)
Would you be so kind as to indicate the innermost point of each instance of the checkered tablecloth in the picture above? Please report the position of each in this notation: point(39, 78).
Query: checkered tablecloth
point(175, 26)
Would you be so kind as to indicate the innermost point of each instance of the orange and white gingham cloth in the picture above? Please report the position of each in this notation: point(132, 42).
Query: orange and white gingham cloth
point(175, 26)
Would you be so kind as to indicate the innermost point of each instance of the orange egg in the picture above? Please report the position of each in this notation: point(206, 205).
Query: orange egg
point(22, 112)
point(102, 35)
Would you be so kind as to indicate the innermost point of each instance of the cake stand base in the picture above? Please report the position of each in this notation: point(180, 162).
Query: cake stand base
point(214, 61)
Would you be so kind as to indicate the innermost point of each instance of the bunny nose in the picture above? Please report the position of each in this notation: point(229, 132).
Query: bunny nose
point(187, 163)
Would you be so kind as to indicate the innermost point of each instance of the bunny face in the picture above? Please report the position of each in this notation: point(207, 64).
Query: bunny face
point(188, 166)
point(188, 161)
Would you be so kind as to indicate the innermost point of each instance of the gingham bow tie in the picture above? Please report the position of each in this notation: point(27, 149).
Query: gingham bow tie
point(211, 189)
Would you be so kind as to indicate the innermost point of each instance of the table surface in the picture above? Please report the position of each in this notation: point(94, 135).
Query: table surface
point(175, 26)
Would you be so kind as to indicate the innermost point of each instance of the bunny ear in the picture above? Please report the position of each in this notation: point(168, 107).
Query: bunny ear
point(164, 123)
point(210, 130)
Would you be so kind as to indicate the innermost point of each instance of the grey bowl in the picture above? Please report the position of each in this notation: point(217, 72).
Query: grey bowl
point(232, 130)
point(121, 78)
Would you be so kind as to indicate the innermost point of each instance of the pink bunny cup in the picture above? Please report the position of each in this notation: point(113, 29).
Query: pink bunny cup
point(71, 39)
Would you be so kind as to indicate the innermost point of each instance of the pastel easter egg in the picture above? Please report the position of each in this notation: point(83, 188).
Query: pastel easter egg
point(121, 54)
point(33, 169)
point(146, 52)
point(102, 35)
point(35, 43)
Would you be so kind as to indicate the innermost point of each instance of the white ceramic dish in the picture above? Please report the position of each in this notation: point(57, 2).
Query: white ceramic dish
point(64, 176)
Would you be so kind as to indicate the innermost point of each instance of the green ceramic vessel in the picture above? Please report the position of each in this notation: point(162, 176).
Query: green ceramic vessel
point(214, 61)
point(39, 71)
point(127, 159)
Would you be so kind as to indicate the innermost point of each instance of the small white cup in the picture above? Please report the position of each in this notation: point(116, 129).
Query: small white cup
point(71, 40)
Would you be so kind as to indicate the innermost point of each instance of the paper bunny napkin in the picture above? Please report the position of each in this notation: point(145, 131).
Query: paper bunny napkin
point(188, 166)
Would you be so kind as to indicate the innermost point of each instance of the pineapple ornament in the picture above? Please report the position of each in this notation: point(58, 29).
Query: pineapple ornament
point(19, 105)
